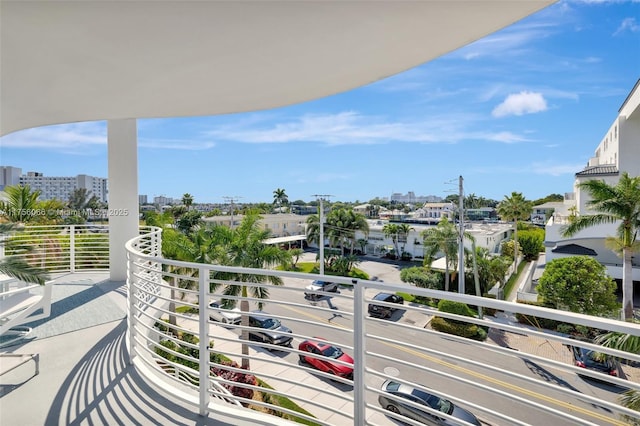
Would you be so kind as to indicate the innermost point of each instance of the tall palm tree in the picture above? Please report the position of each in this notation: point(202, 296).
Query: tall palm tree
point(187, 200)
point(280, 197)
point(618, 203)
point(442, 238)
point(244, 247)
point(391, 230)
point(21, 203)
point(515, 207)
point(403, 230)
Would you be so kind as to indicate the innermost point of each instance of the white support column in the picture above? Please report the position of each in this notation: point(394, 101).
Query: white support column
point(123, 212)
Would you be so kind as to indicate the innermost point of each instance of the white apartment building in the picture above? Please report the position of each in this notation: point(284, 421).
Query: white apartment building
point(54, 187)
point(617, 152)
point(435, 211)
point(281, 225)
point(488, 236)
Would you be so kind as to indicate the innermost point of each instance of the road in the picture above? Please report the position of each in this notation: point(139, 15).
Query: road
point(408, 327)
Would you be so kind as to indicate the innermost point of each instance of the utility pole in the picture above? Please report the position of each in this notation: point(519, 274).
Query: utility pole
point(231, 200)
point(320, 198)
point(461, 245)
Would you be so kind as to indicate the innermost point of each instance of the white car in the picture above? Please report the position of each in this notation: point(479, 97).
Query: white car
point(225, 316)
point(318, 285)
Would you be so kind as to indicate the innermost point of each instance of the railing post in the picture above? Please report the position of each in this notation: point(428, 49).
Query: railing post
point(203, 275)
point(358, 354)
point(72, 248)
point(131, 308)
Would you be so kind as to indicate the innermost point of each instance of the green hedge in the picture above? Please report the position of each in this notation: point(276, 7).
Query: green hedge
point(471, 331)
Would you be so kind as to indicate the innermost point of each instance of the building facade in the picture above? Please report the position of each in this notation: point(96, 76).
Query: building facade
point(54, 187)
point(617, 152)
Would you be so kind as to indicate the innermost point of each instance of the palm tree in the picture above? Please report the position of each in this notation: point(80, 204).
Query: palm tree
point(15, 266)
point(313, 229)
point(187, 200)
point(515, 208)
point(403, 231)
point(21, 203)
point(280, 198)
point(391, 230)
point(442, 238)
point(628, 343)
point(244, 247)
point(342, 225)
point(619, 203)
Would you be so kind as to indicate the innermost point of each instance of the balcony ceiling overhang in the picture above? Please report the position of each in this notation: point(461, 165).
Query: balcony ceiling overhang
point(69, 61)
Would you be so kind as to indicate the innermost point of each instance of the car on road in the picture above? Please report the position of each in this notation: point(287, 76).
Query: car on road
point(395, 397)
point(318, 346)
point(225, 316)
point(586, 358)
point(268, 329)
point(319, 285)
point(381, 311)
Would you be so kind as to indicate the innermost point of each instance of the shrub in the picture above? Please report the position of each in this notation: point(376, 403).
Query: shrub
point(236, 377)
point(457, 308)
point(458, 328)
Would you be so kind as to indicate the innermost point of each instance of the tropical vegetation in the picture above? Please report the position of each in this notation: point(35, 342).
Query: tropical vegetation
point(578, 284)
point(619, 203)
point(513, 208)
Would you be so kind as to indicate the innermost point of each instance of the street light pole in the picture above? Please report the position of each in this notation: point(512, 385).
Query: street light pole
point(231, 200)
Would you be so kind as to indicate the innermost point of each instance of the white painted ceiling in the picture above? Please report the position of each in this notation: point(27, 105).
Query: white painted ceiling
point(68, 61)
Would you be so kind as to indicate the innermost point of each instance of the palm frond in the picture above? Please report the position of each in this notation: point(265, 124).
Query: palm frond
point(19, 269)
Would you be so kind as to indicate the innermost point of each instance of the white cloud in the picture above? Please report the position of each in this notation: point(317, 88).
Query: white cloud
point(60, 137)
point(628, 24)
point(520, 104)
point(352, 128)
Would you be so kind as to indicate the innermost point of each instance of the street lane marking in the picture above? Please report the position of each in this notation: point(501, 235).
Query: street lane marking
point(490, 379)
point(510, 386)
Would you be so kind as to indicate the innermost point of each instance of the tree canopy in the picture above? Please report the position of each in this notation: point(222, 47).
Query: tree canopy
point(578, 284)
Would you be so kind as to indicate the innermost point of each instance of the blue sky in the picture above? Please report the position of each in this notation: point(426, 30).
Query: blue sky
point(520, 110)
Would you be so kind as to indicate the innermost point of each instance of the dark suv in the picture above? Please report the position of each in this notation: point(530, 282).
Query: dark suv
point(380, 311)
point(268, 330)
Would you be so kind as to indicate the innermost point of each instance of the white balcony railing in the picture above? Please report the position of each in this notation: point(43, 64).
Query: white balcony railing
point(501, 384)
point(522, 375)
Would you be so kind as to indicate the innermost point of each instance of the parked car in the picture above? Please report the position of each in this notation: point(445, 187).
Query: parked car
point(407, 392)
point(319, 285)
point(320, 347)
point(225, 316)
point(268, 330)
point(380, 311)
point(586, 358)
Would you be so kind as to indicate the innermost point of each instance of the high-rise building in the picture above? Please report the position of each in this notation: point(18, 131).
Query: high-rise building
point(54, 187)
point(9, 176)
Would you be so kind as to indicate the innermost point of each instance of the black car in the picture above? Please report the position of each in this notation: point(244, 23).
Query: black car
point(396, 393)
point(268, 330)
point(586, 358)
point(380, 311)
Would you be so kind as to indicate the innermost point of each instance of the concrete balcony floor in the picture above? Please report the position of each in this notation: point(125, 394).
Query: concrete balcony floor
point(84, 374)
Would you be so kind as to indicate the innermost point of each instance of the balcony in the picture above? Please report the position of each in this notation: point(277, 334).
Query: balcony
point(518, 376)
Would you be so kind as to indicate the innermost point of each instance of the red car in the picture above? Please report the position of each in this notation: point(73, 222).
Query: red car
point(319, 347)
